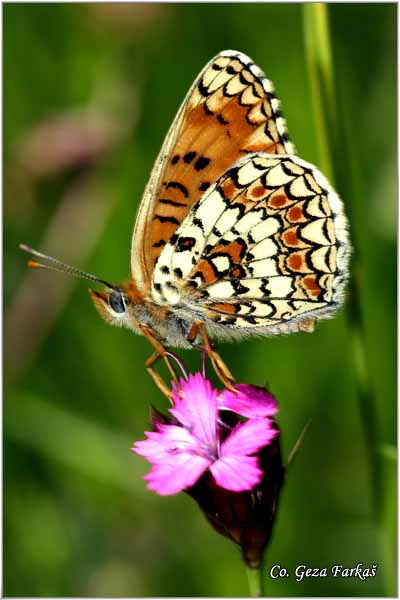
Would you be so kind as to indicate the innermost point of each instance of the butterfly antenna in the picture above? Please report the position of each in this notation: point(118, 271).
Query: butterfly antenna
point(57, 265)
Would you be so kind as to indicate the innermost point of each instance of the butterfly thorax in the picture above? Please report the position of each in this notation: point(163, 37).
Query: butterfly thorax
point(171, 325)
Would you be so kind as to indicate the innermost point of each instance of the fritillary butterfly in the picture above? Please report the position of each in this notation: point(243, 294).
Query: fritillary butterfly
point(235, 235)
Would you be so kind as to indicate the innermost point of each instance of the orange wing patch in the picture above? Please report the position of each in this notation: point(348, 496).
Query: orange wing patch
point(231, 111)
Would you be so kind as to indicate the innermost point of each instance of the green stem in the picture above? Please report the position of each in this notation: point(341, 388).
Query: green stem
point(255, 580)
point(334, 142)
point(319, 61)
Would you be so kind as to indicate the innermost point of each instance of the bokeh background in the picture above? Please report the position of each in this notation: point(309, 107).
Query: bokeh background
point(89, 93)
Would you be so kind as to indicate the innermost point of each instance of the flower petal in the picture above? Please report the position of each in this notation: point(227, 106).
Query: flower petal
point(195, 406)
point(237, 473)
point(248, 438)
point(164, 444)
point(181, 472)
point(249, 401)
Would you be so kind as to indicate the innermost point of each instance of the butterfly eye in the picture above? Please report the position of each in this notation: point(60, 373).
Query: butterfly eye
point(117, 302)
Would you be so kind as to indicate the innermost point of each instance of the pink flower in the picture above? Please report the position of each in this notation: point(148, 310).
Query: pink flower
point(249, 401)
point(200, 440)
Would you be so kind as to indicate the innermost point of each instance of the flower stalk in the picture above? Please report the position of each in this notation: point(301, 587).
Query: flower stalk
point(255, 579)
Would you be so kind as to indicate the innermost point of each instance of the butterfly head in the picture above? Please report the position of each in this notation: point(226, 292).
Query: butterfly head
point(115, 303)
point(112, 305)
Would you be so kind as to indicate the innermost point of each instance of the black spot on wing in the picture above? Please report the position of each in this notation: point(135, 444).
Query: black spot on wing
point(185, 243)
point(232, 174)
point(237, 272)
point(284, 136)
point(203, 90)
point(222, 120)
point(216, 232)
point(171, 202)
point(179, 186)
point(231, 70)
point(327, 232)
point(189, 157)
point(243, 79)
point(159, 244)
point(198, 223)
point(201, 163)
point(239, 287)
point(249, 319)
point(207, 110)
point(164, 219)
point(267, 132)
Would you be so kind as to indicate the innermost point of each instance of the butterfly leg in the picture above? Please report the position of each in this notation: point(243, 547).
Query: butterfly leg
point(220, 368)
point(158, 347)
point(158, 380)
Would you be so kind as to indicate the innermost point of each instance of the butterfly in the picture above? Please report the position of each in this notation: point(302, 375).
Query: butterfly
point(235, 236)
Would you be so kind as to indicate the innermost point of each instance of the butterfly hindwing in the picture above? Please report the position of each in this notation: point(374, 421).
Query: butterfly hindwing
point(230, 111)
point(265, 245)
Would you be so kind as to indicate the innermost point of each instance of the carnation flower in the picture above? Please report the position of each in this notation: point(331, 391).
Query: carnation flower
point(201, 438)
point(247, 518)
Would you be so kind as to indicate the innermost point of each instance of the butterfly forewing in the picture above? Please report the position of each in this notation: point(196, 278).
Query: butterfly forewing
point(230, 111)
point(267, 244)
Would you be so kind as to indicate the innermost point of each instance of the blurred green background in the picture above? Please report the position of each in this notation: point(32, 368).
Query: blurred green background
point(89, 93)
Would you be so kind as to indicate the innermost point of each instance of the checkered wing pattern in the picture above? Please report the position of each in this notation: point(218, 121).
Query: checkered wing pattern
point(265, 245)
point(230, 111)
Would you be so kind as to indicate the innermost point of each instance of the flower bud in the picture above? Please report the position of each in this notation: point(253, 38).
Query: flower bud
point(247, 518)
